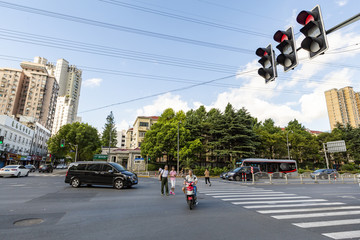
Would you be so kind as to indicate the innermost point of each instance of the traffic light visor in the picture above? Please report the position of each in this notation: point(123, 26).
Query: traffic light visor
point(261, 52)
point(305, 17)
point(280, 36)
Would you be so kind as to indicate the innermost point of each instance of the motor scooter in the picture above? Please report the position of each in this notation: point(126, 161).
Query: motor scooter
point(190, 195)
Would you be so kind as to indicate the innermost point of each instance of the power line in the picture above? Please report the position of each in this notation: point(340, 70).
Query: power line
point(122, 28)
point(184, 18)
point(112, 52)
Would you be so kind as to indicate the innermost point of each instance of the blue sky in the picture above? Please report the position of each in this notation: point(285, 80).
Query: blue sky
point(297, 94)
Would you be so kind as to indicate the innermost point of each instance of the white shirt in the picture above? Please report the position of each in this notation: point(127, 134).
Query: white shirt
point(190, 179)
point(164, 173)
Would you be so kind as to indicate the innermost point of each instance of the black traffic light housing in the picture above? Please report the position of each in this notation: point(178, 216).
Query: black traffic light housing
point(62, 143)
point(315, 41)
point(267, 60)
point(288, 57)
point(1, 140)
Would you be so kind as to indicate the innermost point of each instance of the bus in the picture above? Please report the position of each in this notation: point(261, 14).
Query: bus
point(271, 165)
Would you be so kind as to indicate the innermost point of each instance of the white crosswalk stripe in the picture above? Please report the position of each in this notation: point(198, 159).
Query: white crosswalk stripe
point(289, 206)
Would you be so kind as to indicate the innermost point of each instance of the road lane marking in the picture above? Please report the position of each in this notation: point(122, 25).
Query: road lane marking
point(240, 193)
point(294, 205)
point(310, 215)
point(327, 223)
point(263, 198)
point(286, 201)
point(252, 195)
point(308, 209)
point(343, 235)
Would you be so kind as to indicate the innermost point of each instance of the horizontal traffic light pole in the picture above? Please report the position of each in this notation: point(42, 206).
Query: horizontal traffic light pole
point(341, 25)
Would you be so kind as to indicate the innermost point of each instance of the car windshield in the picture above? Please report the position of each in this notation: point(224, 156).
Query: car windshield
point(236, 169)
point(118, 166)
point(320, 170)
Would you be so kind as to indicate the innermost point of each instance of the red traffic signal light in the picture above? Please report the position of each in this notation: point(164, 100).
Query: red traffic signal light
point(267, 60)
point(315, 41)
point(288, 57)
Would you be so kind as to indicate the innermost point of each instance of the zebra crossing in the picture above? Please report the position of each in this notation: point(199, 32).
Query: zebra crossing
point(301, 211)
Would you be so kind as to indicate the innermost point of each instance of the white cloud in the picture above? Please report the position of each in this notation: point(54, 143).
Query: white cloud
point(341, 3)
point(123, 125)
point(92, 82)
point(161, 103)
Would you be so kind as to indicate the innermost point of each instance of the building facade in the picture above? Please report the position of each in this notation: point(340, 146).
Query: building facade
point(17, 140)
point(31, 92)
point(121, 138)
point(343, 107)
point(142, 124)
point(69, 78)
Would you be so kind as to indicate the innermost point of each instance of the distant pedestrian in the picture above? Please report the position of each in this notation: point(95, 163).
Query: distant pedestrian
point(207, 177)
point(172, 180)
point(164, 180)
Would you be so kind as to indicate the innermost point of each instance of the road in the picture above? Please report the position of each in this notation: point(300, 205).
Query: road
point(226, 210)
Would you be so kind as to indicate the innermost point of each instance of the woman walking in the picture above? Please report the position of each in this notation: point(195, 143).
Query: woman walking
point(207, 177)
point(164, 180)
point(172, 180)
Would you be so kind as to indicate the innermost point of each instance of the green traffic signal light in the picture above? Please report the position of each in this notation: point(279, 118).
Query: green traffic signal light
point(62, 143)
point(1, 140)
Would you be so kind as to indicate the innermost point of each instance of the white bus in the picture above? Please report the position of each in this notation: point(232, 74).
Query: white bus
point(271, 165)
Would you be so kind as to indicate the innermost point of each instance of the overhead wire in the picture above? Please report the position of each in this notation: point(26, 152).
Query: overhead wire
point(121, 28)
point(184, 18)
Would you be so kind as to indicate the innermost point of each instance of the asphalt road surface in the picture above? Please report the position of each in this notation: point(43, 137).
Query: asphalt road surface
point(226, 210)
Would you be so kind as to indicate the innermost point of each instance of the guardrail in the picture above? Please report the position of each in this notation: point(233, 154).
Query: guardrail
point(306, 178)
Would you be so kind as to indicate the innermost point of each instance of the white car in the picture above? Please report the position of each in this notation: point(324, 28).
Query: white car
point(14, 171)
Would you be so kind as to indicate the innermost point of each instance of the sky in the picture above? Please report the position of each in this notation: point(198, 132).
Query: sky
point(140, 57)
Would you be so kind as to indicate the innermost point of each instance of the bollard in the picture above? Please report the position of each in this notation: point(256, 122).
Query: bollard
point(270, 177)
point(253, 179)
point(301, 179)
point(286, 179)
point(342, 178)
point(335, 178)
point(316, 181)
point(355, 180)
point(329, 178)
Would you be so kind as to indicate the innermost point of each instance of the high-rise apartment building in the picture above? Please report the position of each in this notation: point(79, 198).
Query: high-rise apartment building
point(136, 135)
point(69, 79)
point(343, 106)
point(30, 92)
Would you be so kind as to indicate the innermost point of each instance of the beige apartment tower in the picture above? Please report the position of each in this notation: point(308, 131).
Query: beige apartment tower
point(343, 107)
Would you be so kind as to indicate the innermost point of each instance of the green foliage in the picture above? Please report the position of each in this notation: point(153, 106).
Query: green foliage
point(81, 134)
point(200, 171)
point(109, 128)
point(348, 167)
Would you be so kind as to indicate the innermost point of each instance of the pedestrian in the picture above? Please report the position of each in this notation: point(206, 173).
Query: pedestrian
point(164, 180)
point(172, 180)
point(207, 177)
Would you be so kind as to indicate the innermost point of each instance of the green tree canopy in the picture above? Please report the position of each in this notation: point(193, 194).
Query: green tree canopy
point(109, 129)
point(83, 135)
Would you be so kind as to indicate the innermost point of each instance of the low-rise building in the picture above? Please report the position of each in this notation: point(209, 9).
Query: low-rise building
point(121, 136)
point(17, 140)
point(141, 125)
point(129, 158)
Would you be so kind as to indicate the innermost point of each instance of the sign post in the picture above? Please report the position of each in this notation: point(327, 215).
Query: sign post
point(333, 147)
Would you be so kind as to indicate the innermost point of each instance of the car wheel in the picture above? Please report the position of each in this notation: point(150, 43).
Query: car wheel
point(237, 178)
point(18, 175)
point(119, 184)
point(75, 183)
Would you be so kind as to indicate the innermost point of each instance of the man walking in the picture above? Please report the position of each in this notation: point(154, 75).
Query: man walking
point(164, 180)
point(207, 177)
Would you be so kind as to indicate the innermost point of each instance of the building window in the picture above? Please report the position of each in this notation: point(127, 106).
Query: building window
point(142, 134)
point(144, 124)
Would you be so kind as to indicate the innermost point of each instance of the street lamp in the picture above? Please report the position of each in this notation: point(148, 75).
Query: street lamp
point(178, 146)
point(287, 142)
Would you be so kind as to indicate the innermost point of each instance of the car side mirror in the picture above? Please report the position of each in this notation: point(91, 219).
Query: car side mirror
point(110, 171)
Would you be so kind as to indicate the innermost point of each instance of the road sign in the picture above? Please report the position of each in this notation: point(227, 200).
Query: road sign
point(100, 157)
point(336, 146)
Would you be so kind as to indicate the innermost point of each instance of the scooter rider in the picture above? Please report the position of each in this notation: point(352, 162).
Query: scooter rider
point(191, 178)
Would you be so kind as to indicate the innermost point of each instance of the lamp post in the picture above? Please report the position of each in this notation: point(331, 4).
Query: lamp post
point(109, 144)
point(178, 147)
point(287, 143)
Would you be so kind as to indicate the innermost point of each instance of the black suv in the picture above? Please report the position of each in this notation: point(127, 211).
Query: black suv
point(242, 172)
point(100, 173)
point(46, 168)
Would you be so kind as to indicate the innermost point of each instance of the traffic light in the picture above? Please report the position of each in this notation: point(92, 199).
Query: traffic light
point(1, 140)
point(62, 143)
point(288, 57)
point(315, 41)
point(267, 60)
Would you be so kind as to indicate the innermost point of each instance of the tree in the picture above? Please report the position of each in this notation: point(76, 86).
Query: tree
point(83, 135)
point(109, 127)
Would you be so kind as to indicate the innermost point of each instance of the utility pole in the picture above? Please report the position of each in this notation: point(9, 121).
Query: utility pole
point(287, 143)
point(178, 146)
point(109, 143)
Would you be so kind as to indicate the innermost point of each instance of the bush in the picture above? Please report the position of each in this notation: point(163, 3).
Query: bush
point(154, 167)
point(348, 167)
